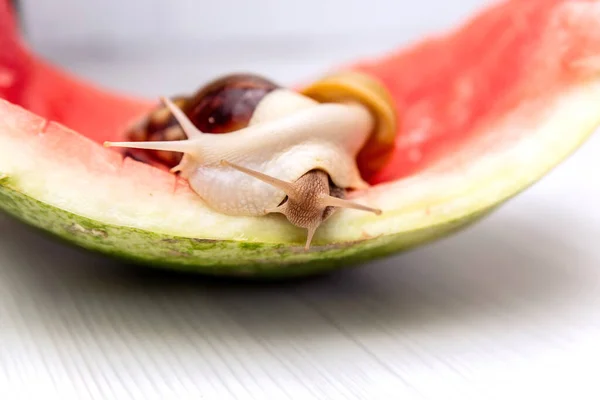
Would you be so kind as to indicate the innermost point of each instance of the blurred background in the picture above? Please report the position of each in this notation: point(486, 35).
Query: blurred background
point(508, 309)
point(179, 44)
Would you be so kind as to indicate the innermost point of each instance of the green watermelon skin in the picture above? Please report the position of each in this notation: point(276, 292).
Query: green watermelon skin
point(210, 257)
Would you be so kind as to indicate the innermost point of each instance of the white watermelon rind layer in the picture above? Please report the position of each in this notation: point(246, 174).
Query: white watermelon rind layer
point(509, 155)
point(221, 257)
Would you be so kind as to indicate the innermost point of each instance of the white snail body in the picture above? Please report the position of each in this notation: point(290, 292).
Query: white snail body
point(325, 137)
point(292, 158)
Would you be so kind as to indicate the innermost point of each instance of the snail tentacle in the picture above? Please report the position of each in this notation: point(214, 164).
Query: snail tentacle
point(287, 187)
point(190, 147)
point(184, 122)
point(331, 201)
point(309, 236)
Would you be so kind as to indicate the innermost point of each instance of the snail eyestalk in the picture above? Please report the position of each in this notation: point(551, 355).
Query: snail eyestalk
point(330, 201)
point(181, 146)
point(188, 127)
point(287, 187)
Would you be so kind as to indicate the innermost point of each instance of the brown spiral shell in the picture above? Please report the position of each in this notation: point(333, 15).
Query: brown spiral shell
point(224, 105)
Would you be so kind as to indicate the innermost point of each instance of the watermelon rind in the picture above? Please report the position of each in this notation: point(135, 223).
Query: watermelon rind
point(517, 150)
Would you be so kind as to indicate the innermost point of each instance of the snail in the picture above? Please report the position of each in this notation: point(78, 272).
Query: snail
point(296, 153)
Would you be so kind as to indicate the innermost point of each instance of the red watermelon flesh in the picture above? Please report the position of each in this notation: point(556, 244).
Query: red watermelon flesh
point(14, 63)
point(498, 79)
point(447, 89)
point(450, 88)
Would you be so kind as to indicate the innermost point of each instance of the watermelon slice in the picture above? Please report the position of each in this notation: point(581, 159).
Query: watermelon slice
point(487, 110)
